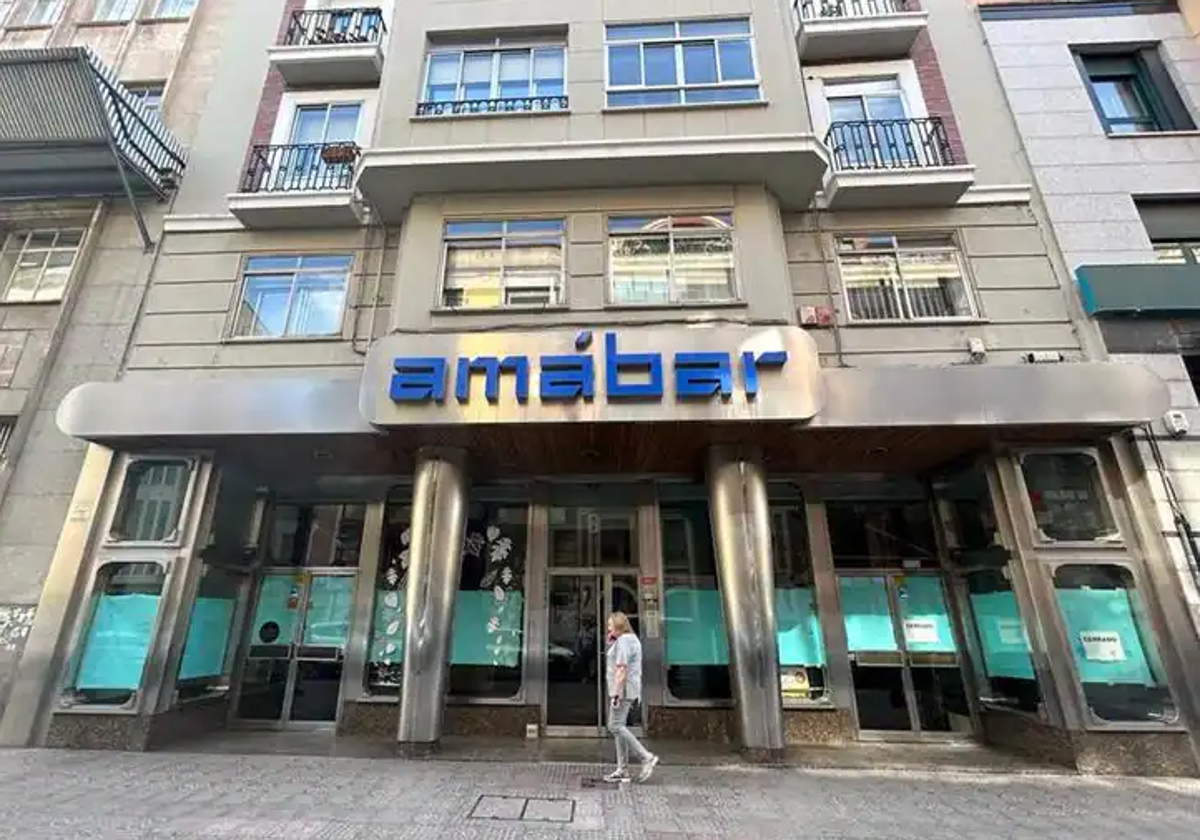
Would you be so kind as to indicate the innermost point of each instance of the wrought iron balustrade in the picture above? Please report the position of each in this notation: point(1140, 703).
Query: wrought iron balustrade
point(513, 105)
point(301, 167)
point(335, 26)
point(889, 144)
point(837, 9)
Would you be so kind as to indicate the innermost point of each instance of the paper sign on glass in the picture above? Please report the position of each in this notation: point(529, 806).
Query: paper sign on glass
point(920, 631)
point(1011, 632)
point(1102, 646)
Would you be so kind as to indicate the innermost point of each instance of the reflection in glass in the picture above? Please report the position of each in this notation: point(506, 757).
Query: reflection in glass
point(797, 626)
point(151, 501)
point(202, 666)
point(385, 653)
point(1067, 496)
point(573, 666)
point(308, 535)
point(1006, 666)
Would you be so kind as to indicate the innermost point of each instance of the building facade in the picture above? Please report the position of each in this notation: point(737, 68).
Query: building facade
point(742, 318)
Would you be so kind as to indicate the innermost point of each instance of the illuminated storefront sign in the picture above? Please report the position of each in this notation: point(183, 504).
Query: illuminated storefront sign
point(570, 377)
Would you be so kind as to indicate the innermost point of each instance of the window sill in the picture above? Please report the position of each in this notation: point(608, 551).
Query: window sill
point(498, 310)
point(29, 27)
point(684, 106)
point(687, 307)
point(95, 709)
point(826, 705)
point(286, 339)
point(164, 19)
point(1142, 135)
point(378, 699)
point(100, 24)
point(488, 115)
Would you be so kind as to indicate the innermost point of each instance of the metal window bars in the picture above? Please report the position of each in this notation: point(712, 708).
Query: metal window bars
point(835, 9)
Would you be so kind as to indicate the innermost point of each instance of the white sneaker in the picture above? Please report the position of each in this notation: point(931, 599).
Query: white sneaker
point(618, 775)
point(648, 768)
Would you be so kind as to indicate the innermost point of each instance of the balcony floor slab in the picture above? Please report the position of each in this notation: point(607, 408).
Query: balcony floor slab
point(345, 65)
point(860, 38)
point(299, 209)
point(867, 189)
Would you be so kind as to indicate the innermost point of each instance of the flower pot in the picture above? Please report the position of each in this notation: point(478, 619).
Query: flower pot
point(339, 154)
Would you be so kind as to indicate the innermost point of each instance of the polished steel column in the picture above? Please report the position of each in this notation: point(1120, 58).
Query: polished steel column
point(439, 513)
point(741, 524)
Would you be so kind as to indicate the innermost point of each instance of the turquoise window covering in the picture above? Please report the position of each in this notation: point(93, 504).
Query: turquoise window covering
point(117, 642)
point(274, 598)
point(924, 616)
point(327, 621)
point(387, 627)
point(207, 638)
point(797, 628)
point(694, 631)
point(487, 631)
point(866, 614)
point(1107, 612)
point(1002, 637)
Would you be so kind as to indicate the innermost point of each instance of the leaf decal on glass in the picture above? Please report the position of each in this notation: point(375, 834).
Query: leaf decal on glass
point(500, 549)
point(392, 576)
point(492, 533)
point(389, 648)
point(404, 559)
point(392, 629)
point(405, 536)
point(499, 594)
point(506, 576)
point(391, 600)
point(488, 580)
point(473, 544)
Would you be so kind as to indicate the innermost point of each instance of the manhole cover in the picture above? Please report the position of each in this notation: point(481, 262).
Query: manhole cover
point(523, 809)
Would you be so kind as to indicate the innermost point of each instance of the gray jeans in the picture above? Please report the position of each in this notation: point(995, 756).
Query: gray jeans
point(618, 717)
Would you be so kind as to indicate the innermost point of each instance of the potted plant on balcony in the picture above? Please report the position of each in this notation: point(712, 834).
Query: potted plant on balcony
point(339, 153)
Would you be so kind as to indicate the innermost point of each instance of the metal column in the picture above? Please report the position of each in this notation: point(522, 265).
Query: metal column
point(439, 513)
point(741, 523)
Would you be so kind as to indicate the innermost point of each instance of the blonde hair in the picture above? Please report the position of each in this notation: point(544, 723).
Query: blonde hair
point(620, 622)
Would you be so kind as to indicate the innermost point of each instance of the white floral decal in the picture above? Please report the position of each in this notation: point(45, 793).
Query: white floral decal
point(15, 621)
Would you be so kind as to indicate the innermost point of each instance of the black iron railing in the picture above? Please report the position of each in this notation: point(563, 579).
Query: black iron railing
point(308, 166)
point(492, 106)
point(834, 9)
point(890, 144)
point(335, 26)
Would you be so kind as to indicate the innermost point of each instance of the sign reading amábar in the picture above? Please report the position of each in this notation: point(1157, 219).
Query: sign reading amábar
point(709, 373)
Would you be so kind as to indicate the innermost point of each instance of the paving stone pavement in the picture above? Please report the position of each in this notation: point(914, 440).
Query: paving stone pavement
point(113, 796)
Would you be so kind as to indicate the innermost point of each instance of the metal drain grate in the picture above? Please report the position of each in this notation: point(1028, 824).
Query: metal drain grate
point(523, 809)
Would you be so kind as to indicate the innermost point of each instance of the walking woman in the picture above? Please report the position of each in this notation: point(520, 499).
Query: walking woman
point(624, 680)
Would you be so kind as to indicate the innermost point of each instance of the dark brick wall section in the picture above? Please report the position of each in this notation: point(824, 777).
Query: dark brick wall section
point(272, 95)
point(933, 87)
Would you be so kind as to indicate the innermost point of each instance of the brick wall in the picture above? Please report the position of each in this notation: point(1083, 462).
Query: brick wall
point(272, 95)
point(933, 87)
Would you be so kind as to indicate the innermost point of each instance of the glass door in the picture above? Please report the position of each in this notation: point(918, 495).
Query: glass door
point(870, 124)
point(294, 658)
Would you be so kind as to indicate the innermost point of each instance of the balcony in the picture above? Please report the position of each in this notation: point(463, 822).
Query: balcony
point(893, 163)
point(1151, 290)
point(296, 186)
point(517, 105)
point(341, 47)
point(845, 30)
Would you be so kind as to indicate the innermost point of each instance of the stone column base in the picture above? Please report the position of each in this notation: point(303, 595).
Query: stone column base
point(417, 749)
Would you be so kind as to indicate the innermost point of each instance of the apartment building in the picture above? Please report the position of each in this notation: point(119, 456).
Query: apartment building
point(97, 103)
point(475, 321)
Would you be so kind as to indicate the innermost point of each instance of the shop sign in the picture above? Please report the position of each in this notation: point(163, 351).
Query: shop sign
point(572, 376)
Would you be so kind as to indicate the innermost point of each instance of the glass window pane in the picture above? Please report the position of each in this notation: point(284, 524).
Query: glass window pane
point(514, 74)
point(1169, 253)
point(316, 308)
point(473, 270)
point(639, 31)
point(308, 126)
point(151, 501)
point(846, 109)
point(385, 657)
point(56, 275)
point(474, 228)
point(883, 534)
point(1067, 497)
point(23, 283)
point(41, 239)
point(660, 64)
point(624, 65)
point(255, 265)
point(703, 267)
point(640, 269)
point(871, 282)
point(1115, 653)
point(653, 97)
point(1006, 668)
point(933, 284)
point(1120, 99)
point(343, 124)
point(737, 62)
point(477, 76)
point(326, 263)
point(797, 627)
point(548, 72)
point(263, 310)
point(699, 63)
point(695, 649)
point(208, 633)
point(442, 85)
point(722, 94)
point(523, 226)
point(737, 26)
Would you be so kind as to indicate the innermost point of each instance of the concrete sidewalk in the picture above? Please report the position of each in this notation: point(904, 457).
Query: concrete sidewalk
point(59, 794)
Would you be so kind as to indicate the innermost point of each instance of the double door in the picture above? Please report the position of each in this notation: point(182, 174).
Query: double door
point(904, 653)
point(296, 647)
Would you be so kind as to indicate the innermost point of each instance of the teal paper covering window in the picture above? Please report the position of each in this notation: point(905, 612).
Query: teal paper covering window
point(277, 610)
point(798, 629)
point(330, 603)
point(924, 615)
point(117, 642)
point(867, 614)
point(485, 632)
point(695, 628)
point(207, 638)
point(1002, 638)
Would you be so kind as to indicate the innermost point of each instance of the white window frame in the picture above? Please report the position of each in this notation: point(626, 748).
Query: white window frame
point(28, 8)
point(115, 11)
point(902, 292)
point(165, 9)
point(558, 293)
point(27, 233)
point(816, 79)
point(141, 90)
point(682, 86)
point(291, 104)
point(673, 299)
point(496, 47)
point(244, 275)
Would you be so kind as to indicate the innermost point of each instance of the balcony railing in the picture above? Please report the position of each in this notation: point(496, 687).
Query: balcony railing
point(335, 26)
point(493, 106)
point(837, 9)
point(889, 144)
point(303, 167)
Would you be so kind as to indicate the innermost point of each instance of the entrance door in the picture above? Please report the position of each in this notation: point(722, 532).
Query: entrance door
point(903, 654)
point(576, 700)
point(293, 669)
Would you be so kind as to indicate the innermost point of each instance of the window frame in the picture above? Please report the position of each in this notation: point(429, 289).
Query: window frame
point(557, 301)
point(975, 314)
point(142, 91)
point(1150, 81)
point(27, 233)
point(736, 296)
point(677, 41)
point(779, 509)
point(161, 9)
point(26, 9)
point(127, 11)
point(1035, 531)
point(175, 538)
point(1189, 250)
point(497, 47)
point(230, 334)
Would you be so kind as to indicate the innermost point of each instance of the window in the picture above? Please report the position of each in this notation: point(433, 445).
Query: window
point(495, 78)
point(5, 7)
point(203, 666)
point(1005, 663)
point(903, 278)
point(151, 503)
point(314, 535)
point(503, 263)
point(292, 297)
point(114, 10)
point(1067, 497)
point(149, 94)
point(1132, 92)
point(385, 653)
point(36, 264)
point(1115, 654)
point(1177, 253)
point(38, 13)
point(883, 534)
point(671, 259)
point(690, 62)
point(117, 634)
point(175, 8)
point(800, 643)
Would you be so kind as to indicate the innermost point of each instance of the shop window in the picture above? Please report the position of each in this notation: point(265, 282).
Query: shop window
point(1067, 496)
point(36, 264)
point(1115, 654)
point(1006, 662)
point(881, 534)
point(203, 666)
point(315, 535)
point(117, 634)
point(797, 627)
point(659, 260)
point(489, 264)
point(904, 278)
point(292, 297)
point(696, 652)
point(385, 658)
point(151, 504)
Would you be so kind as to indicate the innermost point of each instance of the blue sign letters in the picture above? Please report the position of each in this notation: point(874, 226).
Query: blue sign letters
point(572, 376)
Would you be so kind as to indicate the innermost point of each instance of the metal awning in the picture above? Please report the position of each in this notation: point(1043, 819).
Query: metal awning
point(70, 129)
